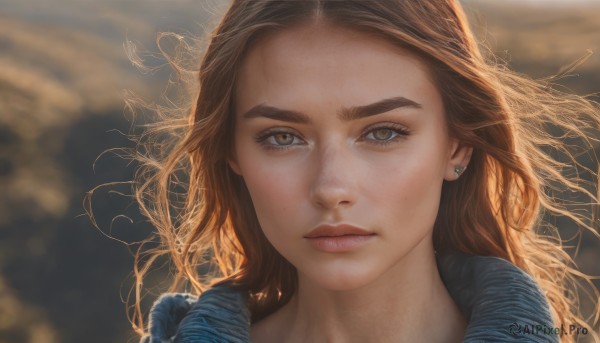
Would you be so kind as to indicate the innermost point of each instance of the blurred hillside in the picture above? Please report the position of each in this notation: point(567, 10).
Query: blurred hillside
point(538, 40)
point(63, 70)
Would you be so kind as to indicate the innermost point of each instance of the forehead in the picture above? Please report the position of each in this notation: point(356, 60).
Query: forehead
point(321, 62)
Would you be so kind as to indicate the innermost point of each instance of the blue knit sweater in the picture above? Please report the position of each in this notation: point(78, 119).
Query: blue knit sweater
point(500, 302)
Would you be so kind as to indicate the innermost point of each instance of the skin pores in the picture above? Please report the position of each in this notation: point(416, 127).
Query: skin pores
point(307, 161)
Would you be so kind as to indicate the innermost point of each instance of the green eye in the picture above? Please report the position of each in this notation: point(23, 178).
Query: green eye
point(383, 134)
point(283, 138)
point(279, 139)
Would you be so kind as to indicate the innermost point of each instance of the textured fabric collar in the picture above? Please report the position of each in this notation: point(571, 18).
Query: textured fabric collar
point(500, 302)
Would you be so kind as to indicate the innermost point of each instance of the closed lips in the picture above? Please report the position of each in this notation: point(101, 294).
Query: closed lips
point(337, 231)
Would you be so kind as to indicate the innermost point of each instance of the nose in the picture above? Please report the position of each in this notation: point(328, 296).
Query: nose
point(335, 180)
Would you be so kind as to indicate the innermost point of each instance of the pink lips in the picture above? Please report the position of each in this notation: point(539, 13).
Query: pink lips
point(338, 238)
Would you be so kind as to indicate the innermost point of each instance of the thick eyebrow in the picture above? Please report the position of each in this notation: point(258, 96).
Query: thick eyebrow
point(276, 113)
point(378, 107)
point(346, 114)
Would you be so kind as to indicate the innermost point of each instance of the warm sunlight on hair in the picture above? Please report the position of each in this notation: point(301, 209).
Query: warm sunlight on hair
point(361, 169)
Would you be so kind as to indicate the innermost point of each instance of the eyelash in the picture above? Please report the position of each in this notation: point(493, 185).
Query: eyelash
point(263, 136)
point(399, 131)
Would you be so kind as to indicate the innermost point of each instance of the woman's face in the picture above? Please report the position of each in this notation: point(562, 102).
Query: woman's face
point(342, 132)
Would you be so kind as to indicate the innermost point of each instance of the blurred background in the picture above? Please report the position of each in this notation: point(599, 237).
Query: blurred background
point(63, 75)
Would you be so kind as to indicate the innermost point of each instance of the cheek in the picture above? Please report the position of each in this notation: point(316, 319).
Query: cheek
point(275, 191)
point(270, 190)
point(407, 191)
point(409, 186)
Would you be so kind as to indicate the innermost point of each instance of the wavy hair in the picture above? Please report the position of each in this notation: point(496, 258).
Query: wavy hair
point(204, 217)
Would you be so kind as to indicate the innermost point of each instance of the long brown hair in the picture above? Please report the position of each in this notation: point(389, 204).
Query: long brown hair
point(203, 213)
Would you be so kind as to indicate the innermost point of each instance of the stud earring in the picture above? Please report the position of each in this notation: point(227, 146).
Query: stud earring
point(458, 170)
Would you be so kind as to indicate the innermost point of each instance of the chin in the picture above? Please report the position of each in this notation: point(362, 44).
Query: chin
point(341, 279)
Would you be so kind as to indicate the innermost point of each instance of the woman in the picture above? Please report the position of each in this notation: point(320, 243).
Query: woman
point(356, 171)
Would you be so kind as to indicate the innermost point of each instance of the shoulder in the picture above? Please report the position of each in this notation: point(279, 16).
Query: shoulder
point(220, 314)
point(497, 298)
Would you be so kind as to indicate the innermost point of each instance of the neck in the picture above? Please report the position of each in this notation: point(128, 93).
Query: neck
point(408, 303)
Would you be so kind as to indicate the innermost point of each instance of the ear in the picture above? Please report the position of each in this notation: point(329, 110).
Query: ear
point(233, 164)
point(460, 155)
